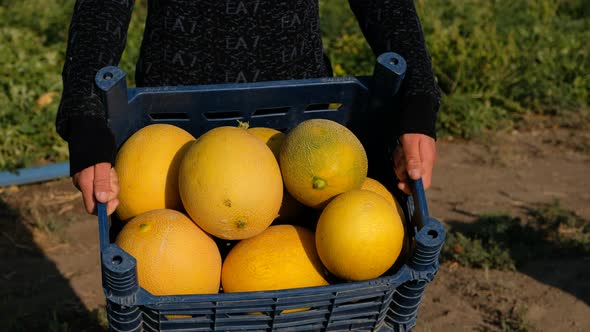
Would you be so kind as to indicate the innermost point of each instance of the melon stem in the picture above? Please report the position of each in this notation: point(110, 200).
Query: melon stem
point(241, 223)
point(318, 183)
point(243, 124)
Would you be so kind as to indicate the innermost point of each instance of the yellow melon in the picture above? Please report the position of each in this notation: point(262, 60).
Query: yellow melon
point(359, 235)
point(320, 159)
point(291, 209)
point(147, 167)
point(271, 137)
point(174, 256)
point(281, 257)
point(377, 187)
point(230, 183)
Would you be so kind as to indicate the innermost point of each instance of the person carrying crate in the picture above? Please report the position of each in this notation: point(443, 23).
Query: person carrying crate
point(188, 42)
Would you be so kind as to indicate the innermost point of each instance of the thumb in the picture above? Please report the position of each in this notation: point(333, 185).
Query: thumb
point(102, 181)
point(411, 147)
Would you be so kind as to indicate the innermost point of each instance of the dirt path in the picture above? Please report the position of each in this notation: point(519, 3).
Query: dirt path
point(509, 174)
point(50, 266)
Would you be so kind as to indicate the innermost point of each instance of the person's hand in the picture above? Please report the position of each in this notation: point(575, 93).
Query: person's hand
point(413, 159)
point(98, 183)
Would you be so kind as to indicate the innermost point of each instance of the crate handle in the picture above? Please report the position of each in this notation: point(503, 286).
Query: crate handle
point(103, 226)
point(420, 214)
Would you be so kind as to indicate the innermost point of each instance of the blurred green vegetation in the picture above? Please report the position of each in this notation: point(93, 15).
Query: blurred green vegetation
point(33, 36)
point(494, 60)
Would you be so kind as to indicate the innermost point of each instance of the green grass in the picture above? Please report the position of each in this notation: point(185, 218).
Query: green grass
point(30, 59)
point(500, 241)
point(32, 49)
point(494, 60)
point(497, 60)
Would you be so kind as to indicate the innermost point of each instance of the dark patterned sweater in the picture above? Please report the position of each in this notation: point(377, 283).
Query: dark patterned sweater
point(189, 42)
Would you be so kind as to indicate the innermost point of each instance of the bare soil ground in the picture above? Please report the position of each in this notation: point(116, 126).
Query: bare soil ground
point(50, 276)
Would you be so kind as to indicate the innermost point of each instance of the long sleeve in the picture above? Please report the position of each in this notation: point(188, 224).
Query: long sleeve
point(96, 38)
point(393, 25)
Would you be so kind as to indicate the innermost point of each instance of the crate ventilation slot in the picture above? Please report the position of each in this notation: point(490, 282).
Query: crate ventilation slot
point(229, 115)
point(270, 111)
point(322, 107)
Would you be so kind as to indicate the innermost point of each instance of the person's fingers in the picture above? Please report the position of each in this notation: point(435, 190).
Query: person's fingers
point(113, 202)
point(415, 160)
point(411, 146)
point(400, 170)
point(405, 187)
point(102, 184)
point(112, 206)
point(84, 181)
point(114, 187)
point(113, 176)
point(428, 158)
point(399, 164)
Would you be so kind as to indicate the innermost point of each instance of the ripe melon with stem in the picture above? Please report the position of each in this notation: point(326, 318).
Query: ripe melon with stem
point(320, 159)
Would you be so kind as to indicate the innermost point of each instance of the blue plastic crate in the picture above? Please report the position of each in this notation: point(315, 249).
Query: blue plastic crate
point(366, 106)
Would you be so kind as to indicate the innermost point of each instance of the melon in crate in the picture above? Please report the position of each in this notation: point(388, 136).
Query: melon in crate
point(230, 183)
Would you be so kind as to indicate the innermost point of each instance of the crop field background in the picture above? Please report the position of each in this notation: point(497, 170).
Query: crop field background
point(495, 61)
point(511, 182)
